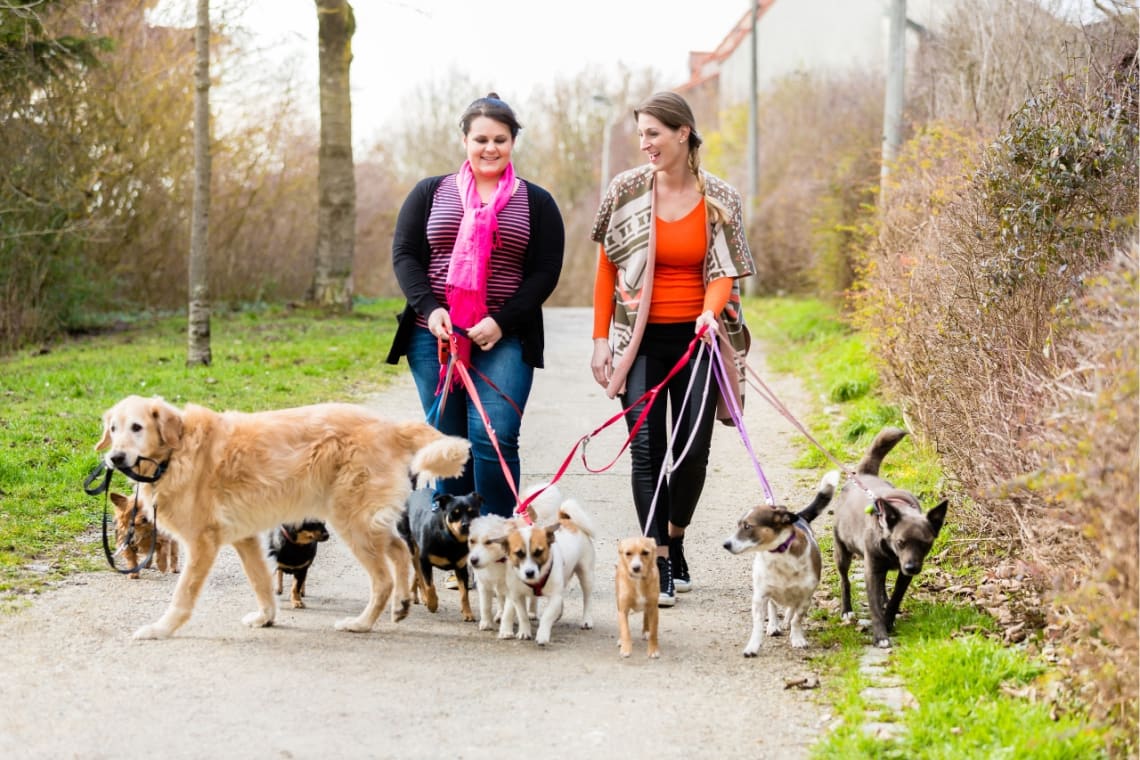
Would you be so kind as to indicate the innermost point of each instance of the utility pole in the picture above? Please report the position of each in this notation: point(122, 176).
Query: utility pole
point(753, 122)
point(753, 193)
point(895, 92)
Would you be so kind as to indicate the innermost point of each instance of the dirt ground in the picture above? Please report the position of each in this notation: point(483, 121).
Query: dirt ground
point(74, 683)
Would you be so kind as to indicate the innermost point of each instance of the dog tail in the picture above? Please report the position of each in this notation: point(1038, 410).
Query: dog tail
point(882, 445)
point(546, 504)
point(827, 485)
point(573, 510)
point(445, 457)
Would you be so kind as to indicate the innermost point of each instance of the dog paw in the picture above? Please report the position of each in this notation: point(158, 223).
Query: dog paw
point(751, 652)
point(654, 654)
point(587, 625)
point(542, 639)
point(799, 642)
point(775, 630)
point(401, 611)
point(883, 643)
point(151, 632)
point(626, 650)
point(521, 636)
point(485, 625)
point(259, 619)
point(468, 617)
point(298, 605)
point(352, 625)
point(133, 576)
point(506, 635)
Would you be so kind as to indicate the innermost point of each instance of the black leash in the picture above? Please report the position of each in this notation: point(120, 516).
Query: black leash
point(101, 470)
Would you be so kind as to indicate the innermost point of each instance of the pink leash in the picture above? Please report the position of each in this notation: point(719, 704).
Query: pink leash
point(721, 373)
point(768, 395)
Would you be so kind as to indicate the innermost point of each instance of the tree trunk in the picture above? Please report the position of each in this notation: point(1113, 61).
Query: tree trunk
point(198, 322)
point(336, 215)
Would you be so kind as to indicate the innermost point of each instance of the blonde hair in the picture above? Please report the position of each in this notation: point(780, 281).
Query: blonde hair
point(673, 111)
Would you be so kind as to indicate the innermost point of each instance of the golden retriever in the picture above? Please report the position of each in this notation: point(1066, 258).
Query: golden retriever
point(229, 476)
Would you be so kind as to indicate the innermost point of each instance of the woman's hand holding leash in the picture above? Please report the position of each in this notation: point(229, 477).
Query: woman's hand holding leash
point(439, 323)
point(485, 334)
point(707, 319)
point(602, 362)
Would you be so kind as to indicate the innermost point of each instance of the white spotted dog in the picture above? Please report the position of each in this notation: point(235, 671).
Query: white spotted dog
point(541, 561)
point(487, 553)
point(786, 566)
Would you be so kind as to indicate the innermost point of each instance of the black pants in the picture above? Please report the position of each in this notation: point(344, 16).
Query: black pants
point(661, 348)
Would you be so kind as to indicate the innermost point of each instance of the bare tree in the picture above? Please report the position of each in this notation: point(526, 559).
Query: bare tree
point(198, 322)
point(336, 183)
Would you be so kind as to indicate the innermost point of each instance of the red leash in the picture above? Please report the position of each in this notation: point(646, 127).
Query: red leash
point(650, 394)
point(447, 353)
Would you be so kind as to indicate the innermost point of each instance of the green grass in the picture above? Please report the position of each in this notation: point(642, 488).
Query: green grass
point(966, 683)
point(51, 403)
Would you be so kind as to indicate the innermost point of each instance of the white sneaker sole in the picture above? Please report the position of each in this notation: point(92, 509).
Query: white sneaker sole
point(664, 600)
point(682, 587)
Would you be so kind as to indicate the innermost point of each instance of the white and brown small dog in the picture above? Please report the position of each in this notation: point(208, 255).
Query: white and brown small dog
point(541, 561)
point(638, 587)
point(786, 566)
point(487, 552)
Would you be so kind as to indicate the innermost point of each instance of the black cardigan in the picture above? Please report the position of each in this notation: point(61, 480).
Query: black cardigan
point(522, 313)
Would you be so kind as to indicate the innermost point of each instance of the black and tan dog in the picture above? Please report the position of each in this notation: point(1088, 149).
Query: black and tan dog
point(436, 528)
point(137, 539)
point(294, 546)
point(887, 528)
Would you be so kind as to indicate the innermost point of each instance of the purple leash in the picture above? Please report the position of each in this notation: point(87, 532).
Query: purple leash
point(721, 373)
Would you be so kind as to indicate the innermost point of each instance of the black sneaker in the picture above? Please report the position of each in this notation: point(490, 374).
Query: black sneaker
point(668, 595)
point(681, 580)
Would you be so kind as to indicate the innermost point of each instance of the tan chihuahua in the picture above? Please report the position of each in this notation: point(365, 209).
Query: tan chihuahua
point(637, 590)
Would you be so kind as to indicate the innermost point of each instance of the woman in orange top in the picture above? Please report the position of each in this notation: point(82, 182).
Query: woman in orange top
point(673, 247)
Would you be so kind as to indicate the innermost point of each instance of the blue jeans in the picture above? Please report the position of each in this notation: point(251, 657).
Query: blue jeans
point(504, 366)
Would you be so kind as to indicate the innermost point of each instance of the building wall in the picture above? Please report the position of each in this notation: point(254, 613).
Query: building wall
point(814, 36)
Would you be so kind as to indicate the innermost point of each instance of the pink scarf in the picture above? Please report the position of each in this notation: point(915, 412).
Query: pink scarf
point(478, 235)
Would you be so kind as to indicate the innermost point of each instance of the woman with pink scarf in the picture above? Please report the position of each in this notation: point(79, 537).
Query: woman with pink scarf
point(477, 252)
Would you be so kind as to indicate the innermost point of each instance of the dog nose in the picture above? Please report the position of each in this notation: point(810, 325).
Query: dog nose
point(727, 544)
point(529, 573)
point(912, 568)
point(118, 459)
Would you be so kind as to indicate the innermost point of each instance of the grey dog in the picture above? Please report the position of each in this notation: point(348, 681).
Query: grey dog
point(890, 532)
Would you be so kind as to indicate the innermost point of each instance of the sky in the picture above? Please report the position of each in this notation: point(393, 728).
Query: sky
point(516, 45)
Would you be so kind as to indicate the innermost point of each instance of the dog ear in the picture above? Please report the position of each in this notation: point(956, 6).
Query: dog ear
point(781, 516)
point(121, 502)
point(169, 423)
point(105, 441)
point(441, 500)
point(937, 516)
point(551, 530)
point(888, 514)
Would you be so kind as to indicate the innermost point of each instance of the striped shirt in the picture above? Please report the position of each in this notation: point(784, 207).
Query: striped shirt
point(505, 270)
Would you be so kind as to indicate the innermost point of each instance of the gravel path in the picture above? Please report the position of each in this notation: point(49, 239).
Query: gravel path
point(75, 685)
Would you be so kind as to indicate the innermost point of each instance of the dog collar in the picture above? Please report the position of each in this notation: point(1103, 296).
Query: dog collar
point(784, 546)
point(541, 582)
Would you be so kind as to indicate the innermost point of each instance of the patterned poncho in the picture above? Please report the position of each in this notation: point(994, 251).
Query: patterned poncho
point(624, 226)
